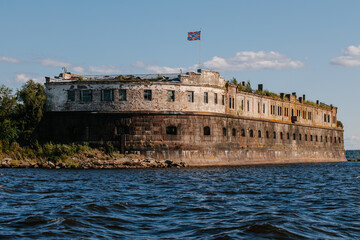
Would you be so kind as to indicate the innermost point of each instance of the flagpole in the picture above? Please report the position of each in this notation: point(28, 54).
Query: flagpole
point(200, 51)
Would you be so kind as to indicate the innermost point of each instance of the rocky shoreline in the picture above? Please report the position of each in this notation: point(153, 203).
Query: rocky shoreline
point(121, 163)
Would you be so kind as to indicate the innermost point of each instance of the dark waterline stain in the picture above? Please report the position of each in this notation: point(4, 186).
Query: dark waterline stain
point(307, 201)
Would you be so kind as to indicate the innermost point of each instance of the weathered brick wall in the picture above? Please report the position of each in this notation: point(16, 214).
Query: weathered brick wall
point(147, 134)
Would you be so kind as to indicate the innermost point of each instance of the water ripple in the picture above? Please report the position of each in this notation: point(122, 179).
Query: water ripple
point(309, 201)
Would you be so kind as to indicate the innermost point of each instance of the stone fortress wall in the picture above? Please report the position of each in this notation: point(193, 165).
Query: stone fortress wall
point(195, 117)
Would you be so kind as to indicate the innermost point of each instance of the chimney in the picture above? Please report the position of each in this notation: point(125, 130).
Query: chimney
point(287, 96)
point(304, 97)
point(294, 94)
point(282, 96)
point(260, 87)
point(300, 99)
point(317, 102)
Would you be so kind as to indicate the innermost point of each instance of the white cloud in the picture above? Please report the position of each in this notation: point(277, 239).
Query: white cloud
point(159, 69)
point(352, 143)
point(245, 61)
point(23, 78)
point(9, 60)
point(54, 63)
point(242, 61)
point(79, 70)
point(105, 69)
point(350, 57)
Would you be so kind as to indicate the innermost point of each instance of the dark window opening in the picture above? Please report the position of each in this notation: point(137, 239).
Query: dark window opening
point(148, 95)
point(107, 95)
point(288, 135)
point(242, 132)
point(281, 135)
point(122, 130)
point(171, 130)
point(326, 139)
point(171, 96)
point(215, 98)
point(305, 137)
point(71, 96)
point(206, 97)
point(259, 134)
point(251, 133)
point(300, 137)
point(294, 136)
point(234, 132)
point(267, 134)
point(122, 94)
point(190, 96)
point(206, 131)
point(86, 95)
point(311, 138)
point(223, 100)
point(321, 138)
point(339, 140)
point(274, 135)
point(224, 132)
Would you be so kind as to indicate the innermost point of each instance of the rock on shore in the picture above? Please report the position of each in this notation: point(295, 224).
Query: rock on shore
point(93, 163)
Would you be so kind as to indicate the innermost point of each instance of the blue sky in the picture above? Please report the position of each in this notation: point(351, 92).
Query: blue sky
point(308, 47)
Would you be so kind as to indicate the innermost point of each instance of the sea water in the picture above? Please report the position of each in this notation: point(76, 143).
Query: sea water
point(304, 201)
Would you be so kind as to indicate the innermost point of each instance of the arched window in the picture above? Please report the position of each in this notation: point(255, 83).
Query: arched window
point(300, 137)
point(294, 136)
point(234, 132)
point(274, 135)
point(281, 135)
point(305, 137)
point(316, 138)
point(251, 133)
point(311, 138)
point(334, 139)
point(171, 130)
point(206, 131)
point(242, 132)
point(259, 134)
point(224, 132)
point(325, 138)
point(267, 134)
point(288, 135)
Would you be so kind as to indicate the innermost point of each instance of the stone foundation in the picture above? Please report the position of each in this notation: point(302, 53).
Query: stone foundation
point(232, 140)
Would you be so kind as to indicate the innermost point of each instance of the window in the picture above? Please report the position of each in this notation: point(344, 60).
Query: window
point(334, 139)
point(264, 108)
point(71, 96)
point(294, 136)
point(242, 132)
point(281, 135)
point(122, 94)
point(171, 130)
point(321, 138)
point(107, 95)
point(171, 96)
point(223, 100)
point(300, 137)
point(316, 138)
point(324, 117)
point(242, 104)
point(251, 133)
point(206, 131)
point(339, 140)
point(311, 138)
point(258, 107)
point(148, 95)
point(190, 96)
point(234, 132)
point(122, 129)
point(248, 106)
point(224, 132)
point(215, 98)
point(206, 97)
point(259, 134)
point(326, 138)
point(267, 134)
point(305, 137)
point(86, 95)
point(328, 118)
point(288, 135)
point(230, 102)
point(309, 115)
point(274, 135)
point(334, 119)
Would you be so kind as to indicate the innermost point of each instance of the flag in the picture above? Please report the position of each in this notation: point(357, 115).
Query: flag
point(193, 36)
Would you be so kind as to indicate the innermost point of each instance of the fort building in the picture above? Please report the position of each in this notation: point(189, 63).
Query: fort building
point(196, 117)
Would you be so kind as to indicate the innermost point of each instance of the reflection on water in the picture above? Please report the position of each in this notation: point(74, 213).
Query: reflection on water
point(257, 202)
